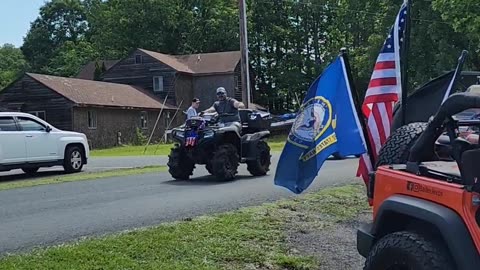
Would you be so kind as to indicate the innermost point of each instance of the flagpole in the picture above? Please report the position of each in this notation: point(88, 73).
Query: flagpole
point(404, 61)
point(456, 74)
point(358, 106)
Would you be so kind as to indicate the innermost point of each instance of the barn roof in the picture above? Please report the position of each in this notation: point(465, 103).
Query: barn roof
point(96, 93)
point(200, 64)
point(88, 71)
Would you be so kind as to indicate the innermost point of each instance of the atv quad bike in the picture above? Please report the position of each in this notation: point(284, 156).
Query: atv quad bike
point(426, 211)
point(221, 147)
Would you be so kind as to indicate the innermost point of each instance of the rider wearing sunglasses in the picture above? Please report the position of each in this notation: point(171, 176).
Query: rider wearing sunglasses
point(226, 105)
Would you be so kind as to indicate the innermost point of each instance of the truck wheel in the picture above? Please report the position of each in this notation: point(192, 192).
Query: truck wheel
point(180, 166)
point(73, 160)
point(408, 250)
point(30, 170)
point(397, 147)
point(261, 165)
point(225, 162)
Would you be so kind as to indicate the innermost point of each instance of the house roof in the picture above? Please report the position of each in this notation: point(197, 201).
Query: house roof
point(88, 71)
point(203, 63)
point(96, 93)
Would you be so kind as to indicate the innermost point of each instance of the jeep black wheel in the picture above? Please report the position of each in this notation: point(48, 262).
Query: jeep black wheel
point(179, 165)
point(74, 159)
point(225, 162)
point(261, 165)
point(397, 147)
point(408, 250)
point(30, 170)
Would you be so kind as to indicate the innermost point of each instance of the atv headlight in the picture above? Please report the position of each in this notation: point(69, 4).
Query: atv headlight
point(208, 134)
point(178, 134)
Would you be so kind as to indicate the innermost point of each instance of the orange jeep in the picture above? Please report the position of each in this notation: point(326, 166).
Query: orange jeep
point(426, 210)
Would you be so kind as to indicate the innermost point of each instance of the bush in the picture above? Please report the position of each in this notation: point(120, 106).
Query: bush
point(140, 138)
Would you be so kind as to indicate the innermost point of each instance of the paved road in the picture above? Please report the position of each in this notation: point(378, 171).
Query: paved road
point(52, 214)
point(95, 164)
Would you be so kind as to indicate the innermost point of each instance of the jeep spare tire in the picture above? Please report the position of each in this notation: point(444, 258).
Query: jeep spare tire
point(397, 147)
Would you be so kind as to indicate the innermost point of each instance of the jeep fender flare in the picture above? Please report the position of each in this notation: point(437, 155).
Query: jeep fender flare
point(449, 224)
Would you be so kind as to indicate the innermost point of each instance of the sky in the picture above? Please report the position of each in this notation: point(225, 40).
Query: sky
point(15, 19)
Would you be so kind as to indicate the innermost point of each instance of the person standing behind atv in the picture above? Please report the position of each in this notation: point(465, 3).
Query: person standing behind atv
point(226, 105)
point(192, 111)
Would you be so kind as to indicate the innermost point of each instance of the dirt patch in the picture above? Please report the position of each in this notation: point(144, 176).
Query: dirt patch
point(333, 245)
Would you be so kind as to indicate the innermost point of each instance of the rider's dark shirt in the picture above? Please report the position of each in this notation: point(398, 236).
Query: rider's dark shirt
point(226, 106)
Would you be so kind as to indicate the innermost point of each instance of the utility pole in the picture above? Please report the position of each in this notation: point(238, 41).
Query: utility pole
point(244, 53)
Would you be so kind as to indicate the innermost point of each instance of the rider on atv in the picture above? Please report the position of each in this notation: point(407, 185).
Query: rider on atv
point(226, 107)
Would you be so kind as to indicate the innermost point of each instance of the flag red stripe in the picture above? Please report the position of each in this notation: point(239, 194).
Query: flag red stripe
point(378, 120)
point(384, 65)
point(389, 107)
point(382, 82)
point(381, 98)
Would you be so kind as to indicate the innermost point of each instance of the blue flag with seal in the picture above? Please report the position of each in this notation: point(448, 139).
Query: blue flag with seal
point(327, 122)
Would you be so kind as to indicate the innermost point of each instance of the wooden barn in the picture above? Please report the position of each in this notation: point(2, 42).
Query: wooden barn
point(181, 77)
point(105, 112)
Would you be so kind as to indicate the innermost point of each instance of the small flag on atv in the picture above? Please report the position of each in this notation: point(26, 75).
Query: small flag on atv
point(326, 123)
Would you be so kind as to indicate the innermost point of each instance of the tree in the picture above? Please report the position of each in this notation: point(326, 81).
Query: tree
point(12, 64)
point(60, 21)
point(70, 58)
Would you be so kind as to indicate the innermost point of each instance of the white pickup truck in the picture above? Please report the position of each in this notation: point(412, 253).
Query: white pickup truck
point(28, 143)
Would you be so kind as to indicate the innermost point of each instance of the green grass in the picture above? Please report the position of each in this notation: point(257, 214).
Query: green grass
point(276, 144)
point(250, 238)
point(80, 177)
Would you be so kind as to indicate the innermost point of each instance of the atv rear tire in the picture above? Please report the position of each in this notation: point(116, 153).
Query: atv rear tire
point(408, 250)
point(225, 162)
point(397, 147)
point(180, 166)
point(261, 165)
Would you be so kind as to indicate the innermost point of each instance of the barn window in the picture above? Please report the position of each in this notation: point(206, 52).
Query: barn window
point(138, 59)
point(39, 114)
point(144, 120)
point(158, 84)
point(92, 119)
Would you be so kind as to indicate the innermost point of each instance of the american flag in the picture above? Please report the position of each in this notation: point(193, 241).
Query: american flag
point(383, 91)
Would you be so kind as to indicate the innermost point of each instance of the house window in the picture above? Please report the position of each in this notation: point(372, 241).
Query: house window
point(138, 59)
point(92, 119)
point(144, 120)
point(158, 84)
point(39, 114)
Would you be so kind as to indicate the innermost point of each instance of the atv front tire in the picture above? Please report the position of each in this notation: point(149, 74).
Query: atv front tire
point(180, 166)
point(397, 147)
point(225, 162)
point(408, 250)
point(209, 168)
point(261, 165)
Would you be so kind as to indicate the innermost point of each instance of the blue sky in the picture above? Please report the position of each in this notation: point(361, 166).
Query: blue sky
point(15, 19)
